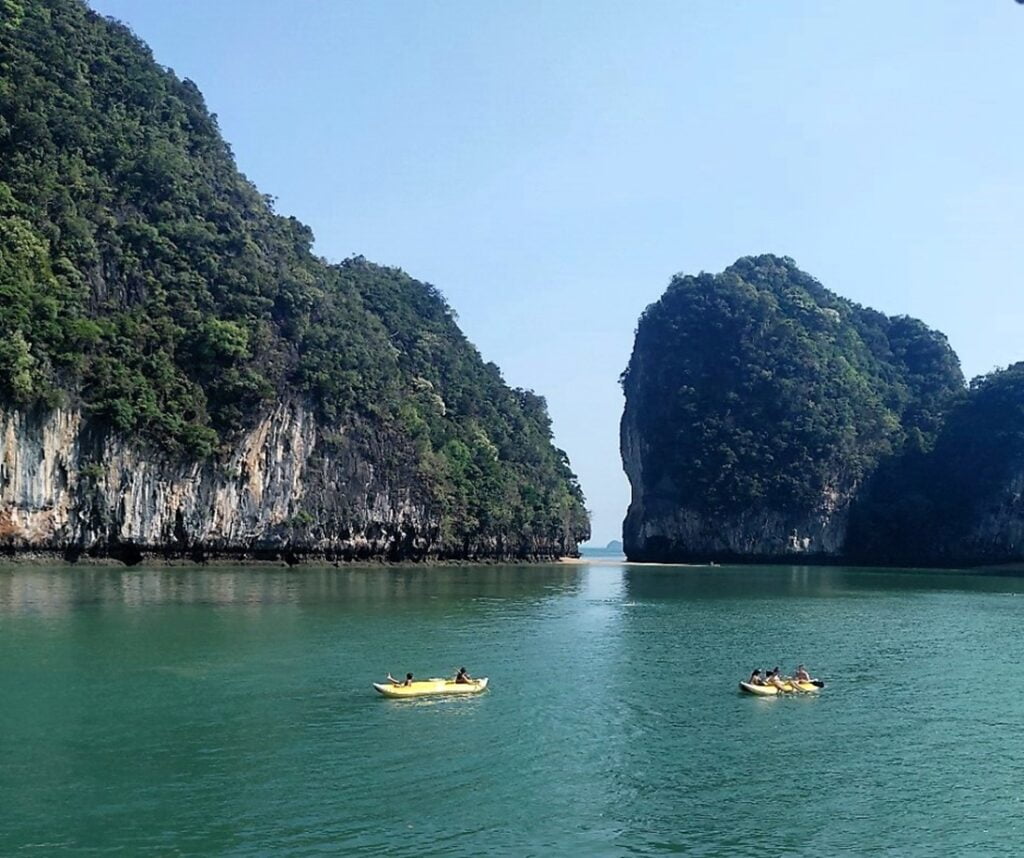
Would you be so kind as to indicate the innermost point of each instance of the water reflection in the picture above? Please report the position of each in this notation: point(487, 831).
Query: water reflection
point(786, 582)
point(54, 591)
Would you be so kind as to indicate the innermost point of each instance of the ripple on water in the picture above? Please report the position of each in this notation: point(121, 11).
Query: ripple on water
point(230, 712)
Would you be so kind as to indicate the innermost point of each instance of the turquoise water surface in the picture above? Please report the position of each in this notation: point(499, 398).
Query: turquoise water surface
point(229, 711)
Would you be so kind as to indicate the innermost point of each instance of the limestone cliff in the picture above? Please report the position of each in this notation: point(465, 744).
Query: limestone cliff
point(181, 373)
point(68, 485)
point(758, 403)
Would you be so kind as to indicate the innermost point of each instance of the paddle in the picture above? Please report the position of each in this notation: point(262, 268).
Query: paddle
point(817, 683)
point(794, 684)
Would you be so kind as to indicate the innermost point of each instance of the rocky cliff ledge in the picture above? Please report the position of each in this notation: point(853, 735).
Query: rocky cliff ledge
point(758, 404)
point(285, 492)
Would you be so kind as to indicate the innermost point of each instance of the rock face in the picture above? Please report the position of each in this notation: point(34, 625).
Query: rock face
point(991, 533)
point(996, 532)
point(758, 404)
point(661, 528)
point(69, 486)
point(660, 531)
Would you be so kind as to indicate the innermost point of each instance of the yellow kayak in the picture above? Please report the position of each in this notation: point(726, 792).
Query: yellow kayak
point(431, 687)
point(773, 690)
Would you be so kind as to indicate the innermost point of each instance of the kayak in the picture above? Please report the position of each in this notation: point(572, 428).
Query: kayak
point(787, 688)
point(431, 687)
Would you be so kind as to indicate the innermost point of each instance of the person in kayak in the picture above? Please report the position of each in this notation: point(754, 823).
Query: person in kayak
point(406, 682)
point(755, 678)
point(801, 674)
point(774, 678)
point(463, 678)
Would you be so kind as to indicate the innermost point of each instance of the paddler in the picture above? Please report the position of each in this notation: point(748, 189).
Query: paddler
point(801, 674)
point(407, 682)
point(755, 678)
point(463, 678)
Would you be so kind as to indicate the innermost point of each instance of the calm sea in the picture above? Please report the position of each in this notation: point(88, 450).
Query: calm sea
point(229, 712)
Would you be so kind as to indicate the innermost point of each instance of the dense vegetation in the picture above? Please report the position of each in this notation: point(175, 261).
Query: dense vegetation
point(921, 507)
point(143, 278)
point(757, 388)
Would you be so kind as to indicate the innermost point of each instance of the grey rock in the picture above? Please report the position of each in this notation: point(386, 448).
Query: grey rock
point(287, 489)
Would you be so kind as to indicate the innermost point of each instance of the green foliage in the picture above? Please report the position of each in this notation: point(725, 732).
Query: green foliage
point(36, 344)
point(758, 388)
point(143, 275)
point(484, 450)
point(921, 507)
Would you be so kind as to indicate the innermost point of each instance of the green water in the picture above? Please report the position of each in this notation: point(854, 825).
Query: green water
point(227, 711)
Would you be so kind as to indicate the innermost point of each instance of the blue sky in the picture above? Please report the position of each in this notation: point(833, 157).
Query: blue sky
point(550, 165)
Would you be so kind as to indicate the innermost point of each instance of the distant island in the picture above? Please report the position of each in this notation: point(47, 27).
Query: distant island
point(769, 419)
point(181, 376)
point(612, 550)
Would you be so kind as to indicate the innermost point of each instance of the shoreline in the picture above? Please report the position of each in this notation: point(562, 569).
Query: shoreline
point(1009, 569)
point(612, 561)
point(29, 557)
point(33, 558)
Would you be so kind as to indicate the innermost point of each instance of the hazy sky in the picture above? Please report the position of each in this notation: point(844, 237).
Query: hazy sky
point(549, 165)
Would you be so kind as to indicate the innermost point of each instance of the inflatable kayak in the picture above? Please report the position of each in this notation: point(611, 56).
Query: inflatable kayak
point(431, 687)
point(787, 688)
